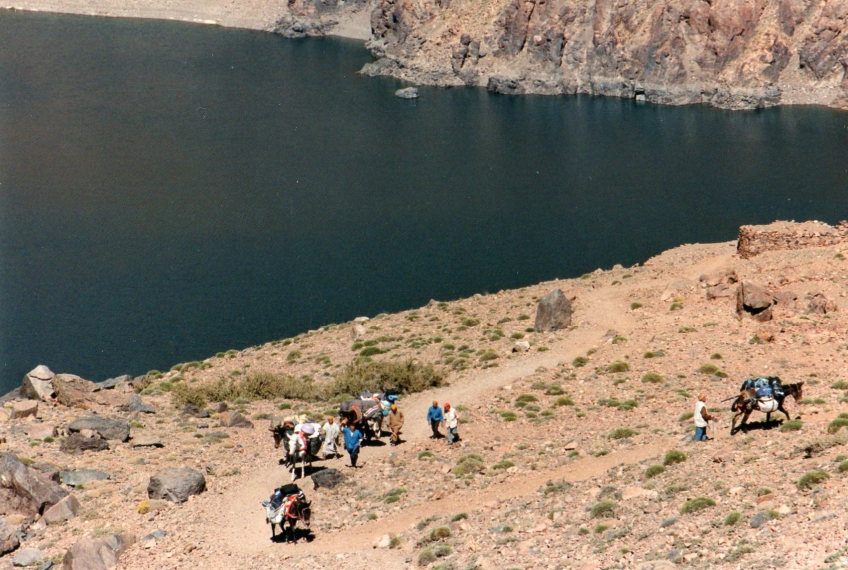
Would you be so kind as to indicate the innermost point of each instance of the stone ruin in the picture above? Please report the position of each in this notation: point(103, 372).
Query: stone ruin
point(754, 240)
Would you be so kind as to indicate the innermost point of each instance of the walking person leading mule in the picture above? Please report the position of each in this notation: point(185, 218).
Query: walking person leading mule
point(701, 418)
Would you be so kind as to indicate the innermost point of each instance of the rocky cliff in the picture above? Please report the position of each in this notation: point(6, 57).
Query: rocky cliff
point(727, 53)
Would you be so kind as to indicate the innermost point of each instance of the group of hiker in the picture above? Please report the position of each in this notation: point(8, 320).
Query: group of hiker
point(351, 431)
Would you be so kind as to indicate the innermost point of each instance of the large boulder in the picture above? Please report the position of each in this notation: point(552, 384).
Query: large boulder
point(64, 510)
point(9, 539)
point(136, 404)
point(82, 476)
point(97, 553)
point(107, 428)
point(25, 490)
point(23, 408)
point(77, 442)
point(235, 419)
point(176, 484)
point(37, 384)
point(755, 301)
point(74, 392)
point(111, 383)
point(554, 312)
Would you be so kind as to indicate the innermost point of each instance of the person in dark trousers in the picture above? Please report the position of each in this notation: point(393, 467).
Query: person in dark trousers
point(435, 416)
point(352, 441)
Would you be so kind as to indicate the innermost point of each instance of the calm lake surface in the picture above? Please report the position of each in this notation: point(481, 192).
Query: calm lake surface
point(168, 191)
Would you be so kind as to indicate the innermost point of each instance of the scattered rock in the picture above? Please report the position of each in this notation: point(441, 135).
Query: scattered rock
point(521, 346)
point(81, 477)
point(64, 510)
point(384, 541)
point(9, 540)
point(176, 484)
point(760, 518)
point(27, 557)
point(357, 331)
point(329, 478)
point(25, 490)
point(755, 301)
point(77, 442)
point(112, 383)
point(23, 409)
point(147, 440)
point(818, 304)
point(195, 412)
point(554, 312)
point(74, 392)
point(222, 407)
point(235, 419)
point(676, 287)
point(153, 535)
point(97, 553)
point(37, 384)
point(407, 93)
point(136, 404)
point(107, 428)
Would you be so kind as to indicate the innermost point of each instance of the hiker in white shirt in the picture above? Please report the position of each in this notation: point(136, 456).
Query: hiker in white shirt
point(331, 434)
point(451, 424)
point(701, 418)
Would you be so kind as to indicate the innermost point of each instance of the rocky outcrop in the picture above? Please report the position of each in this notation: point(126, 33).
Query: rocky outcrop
point(176, 484)
point(24, 490)
point(755, 301)
point(107, 428)
point(37, 384)
point(73, 391)
point(97, 553)
point(64, 510)
point(726, 53)
point(554, 312)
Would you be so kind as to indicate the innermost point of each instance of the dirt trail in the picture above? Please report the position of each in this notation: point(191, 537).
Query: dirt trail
point(248, 533)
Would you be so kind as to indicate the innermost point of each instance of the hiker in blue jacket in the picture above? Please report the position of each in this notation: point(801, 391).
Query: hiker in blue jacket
point(352, 441)
point(435, 416)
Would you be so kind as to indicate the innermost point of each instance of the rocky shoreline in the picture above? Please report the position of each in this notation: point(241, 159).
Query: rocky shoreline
point(576, 429)
point(734, 54)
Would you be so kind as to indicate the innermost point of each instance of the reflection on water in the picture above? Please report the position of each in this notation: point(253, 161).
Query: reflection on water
point(168, 191)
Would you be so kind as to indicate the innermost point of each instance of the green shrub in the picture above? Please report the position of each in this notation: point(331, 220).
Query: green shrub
point(652, 378)
point(579, 362)
point(505, 464)
point(696, 504)
point(524, 399)
point(841, 385)
point(426, 557)
point(469, 465)
point(685, 416)
point(407, 376)
point(563, 401)
point(554, 390)
point(732, 518)
point(792, 425)
point(488, 354)
point(439, 533)
point(394, 495)
point(603, 509)
point(837, 424)
point(843, 467)
point(508, 416)
point(811, 479)
point(635, 305)
point(674, 456)
point(459, 517)
point(371, 351)
point(622, 433)
point(708, 368)
point(618, 366)
point(653, 471)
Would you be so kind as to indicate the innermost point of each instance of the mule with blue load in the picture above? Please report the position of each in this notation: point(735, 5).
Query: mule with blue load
point(765, 394)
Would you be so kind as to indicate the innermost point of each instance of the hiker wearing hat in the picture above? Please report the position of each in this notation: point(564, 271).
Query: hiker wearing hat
point(331, 434)
point(435, 417)
point(395, 423)
point(451, 424)
point(701, 418)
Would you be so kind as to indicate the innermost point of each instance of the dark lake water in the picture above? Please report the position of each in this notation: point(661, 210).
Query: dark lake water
point(169, 191)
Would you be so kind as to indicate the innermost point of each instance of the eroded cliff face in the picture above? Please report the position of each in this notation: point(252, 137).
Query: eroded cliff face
point(727, 53)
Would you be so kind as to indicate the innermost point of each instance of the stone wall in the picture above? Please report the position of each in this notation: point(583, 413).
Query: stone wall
point(754, 240)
